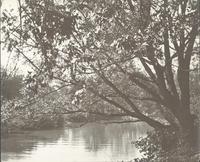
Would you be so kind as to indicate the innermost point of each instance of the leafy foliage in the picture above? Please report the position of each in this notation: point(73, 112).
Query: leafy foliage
point(165, 145)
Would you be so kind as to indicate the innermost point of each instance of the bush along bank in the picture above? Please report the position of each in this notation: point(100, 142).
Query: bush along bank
point(167, 145)
point(36, 123)
point(15, 119)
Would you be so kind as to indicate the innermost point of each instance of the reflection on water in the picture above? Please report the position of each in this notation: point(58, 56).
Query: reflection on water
point(90, 143)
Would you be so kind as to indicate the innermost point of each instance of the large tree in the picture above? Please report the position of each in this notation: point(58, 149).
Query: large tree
point(128, 53)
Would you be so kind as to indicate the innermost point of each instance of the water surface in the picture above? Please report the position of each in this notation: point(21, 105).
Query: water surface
point(90, 143)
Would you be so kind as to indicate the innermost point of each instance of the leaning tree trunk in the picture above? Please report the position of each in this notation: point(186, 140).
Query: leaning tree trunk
point(186, 118)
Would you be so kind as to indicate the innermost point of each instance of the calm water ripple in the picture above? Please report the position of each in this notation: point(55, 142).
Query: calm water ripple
point(90, 143)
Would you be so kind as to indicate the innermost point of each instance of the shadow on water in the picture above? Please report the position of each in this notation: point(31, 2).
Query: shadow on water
point(22, 143)
point(112, 140)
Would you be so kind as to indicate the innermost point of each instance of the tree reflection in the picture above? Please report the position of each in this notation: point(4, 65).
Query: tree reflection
point(119, 137)
point(26, 141)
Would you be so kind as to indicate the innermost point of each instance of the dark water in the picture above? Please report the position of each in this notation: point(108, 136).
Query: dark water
point(90, 143)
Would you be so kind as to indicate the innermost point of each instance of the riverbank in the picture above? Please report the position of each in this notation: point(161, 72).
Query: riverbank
point(48, 123)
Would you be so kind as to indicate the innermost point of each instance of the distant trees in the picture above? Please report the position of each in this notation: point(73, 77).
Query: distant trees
point(125, 53)
point(10, 85)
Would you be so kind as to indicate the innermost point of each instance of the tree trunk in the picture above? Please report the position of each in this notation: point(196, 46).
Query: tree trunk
point(189, 130)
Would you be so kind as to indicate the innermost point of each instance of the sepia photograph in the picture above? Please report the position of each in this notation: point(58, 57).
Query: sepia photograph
point(100, 80)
